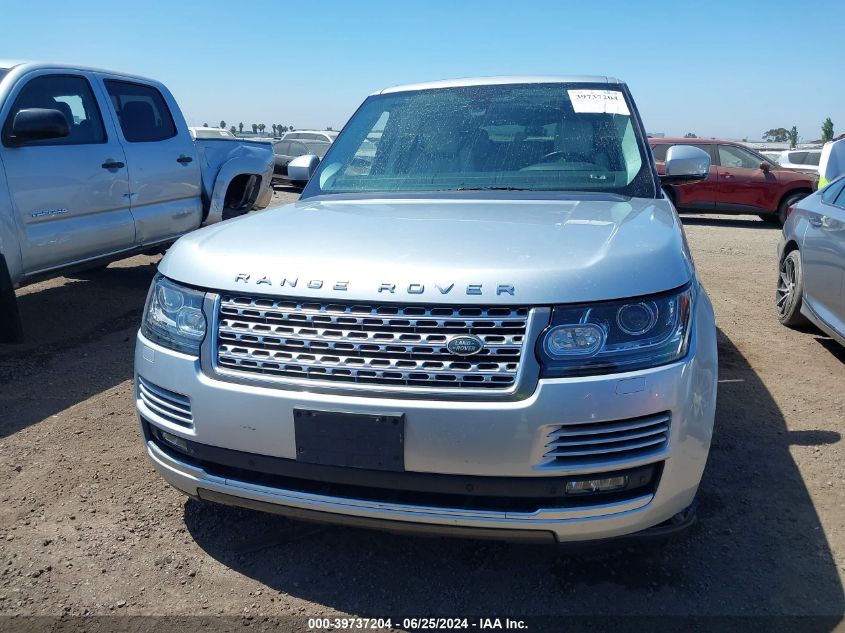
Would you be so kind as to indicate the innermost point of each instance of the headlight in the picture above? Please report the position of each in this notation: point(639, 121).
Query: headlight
point(616, 336)
point(173, 316)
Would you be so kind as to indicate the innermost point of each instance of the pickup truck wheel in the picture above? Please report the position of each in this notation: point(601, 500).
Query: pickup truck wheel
point(790, 291)
point(11, 328)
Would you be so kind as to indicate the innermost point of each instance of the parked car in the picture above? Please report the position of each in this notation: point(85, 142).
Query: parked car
point(286, 150)
point(96, 165)
point(801, 159)
point(450, 339)
point(327, 136)
point(811, 278)
point(740, 181)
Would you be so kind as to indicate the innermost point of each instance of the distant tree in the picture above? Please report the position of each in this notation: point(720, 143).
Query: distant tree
point(233, 130)
point(222, 124)
point(329, 128)
point(690, 135)
point(274, 129)
point(827, 130)
point(205, 124)
point(290, 128)
point(241, 128)
point(776, 135)
point(261, 127)
point(255, 128)
point(279, 127)
point(793, 137)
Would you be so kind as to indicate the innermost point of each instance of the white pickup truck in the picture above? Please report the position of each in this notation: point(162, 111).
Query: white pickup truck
point(97, 165)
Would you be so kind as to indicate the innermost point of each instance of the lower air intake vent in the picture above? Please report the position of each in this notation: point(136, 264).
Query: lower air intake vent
point(620, 440)
point(173, 407)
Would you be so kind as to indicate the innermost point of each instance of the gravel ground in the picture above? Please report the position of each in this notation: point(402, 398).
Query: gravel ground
point(87, 527)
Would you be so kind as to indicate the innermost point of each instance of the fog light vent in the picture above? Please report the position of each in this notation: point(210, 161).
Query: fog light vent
point(171, 406)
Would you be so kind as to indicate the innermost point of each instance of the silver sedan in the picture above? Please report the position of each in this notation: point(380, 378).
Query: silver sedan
point(811, 256)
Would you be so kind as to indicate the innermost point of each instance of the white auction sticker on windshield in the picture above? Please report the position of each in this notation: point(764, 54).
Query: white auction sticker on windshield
point(599, 101)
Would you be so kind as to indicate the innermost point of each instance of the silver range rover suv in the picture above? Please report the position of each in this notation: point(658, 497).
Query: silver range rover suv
point(481, 318)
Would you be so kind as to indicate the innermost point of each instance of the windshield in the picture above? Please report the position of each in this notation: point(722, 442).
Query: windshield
point(535, 137)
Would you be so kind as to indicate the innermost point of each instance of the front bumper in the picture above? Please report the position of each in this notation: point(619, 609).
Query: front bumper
point(478, 439)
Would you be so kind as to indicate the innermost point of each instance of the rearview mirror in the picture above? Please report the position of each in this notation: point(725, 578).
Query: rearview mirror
point(38, 124)
point(301, 168)
point(685, 164)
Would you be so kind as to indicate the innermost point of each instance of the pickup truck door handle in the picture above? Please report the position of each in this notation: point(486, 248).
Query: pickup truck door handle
point(184, 160)
point(113, 164)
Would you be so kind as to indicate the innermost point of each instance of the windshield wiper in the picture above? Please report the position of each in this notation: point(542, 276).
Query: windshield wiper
point(492, 189)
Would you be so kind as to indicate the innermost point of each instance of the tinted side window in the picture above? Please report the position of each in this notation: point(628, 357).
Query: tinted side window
point(660, 152)
point(798, 158)
point(69, 94)
point(833, 190)
point(813, 158)
point(142, 112)
point(840, 199)
point(730, 156)
point(292, 135)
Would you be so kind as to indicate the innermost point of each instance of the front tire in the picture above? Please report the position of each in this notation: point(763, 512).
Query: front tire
point(790, 291)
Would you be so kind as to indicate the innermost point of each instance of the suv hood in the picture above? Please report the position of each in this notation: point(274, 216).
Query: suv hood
point(454, 251)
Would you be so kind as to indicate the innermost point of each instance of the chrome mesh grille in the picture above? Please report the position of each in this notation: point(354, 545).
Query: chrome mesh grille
point(361, 343)
point(619, 440)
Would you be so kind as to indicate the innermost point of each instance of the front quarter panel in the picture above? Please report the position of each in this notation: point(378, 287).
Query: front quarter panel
point(221, 167)
point(9, 233)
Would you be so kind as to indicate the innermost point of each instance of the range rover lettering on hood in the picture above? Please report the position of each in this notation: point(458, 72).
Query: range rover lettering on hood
point(385, 287)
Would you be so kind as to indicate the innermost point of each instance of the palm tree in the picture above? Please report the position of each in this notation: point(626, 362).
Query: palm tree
point(255, 128)
point(241, 128)
point(261, 127)
point(233, 130)
point(279, 125)
point(274, 129)
point(222, 124)
point(290, 127)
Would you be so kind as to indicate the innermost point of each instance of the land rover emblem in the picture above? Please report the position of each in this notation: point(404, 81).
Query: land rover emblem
point(465, 345)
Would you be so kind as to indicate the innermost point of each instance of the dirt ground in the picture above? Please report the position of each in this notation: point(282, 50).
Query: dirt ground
point(87, 527)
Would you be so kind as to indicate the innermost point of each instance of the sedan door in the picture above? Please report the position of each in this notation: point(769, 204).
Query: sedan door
point(743, 185)
point(71, 194)
point(164, 174)
point(823, 255)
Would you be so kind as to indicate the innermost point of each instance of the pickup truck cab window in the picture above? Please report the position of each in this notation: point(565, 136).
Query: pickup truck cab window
point(143, 114)
point(534, 137)
point(69, 94)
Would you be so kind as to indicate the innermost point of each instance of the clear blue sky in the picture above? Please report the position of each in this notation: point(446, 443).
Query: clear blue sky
point(713, 67)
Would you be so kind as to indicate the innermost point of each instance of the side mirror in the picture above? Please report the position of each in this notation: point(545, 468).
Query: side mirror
point(685, 164)
point(38, 124)
point(766, 167)
point(301, 168)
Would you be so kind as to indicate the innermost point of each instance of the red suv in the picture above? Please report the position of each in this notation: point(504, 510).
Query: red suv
point(740, 181)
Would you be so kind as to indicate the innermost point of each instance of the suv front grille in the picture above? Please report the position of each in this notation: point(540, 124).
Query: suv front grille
point(376, 344)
